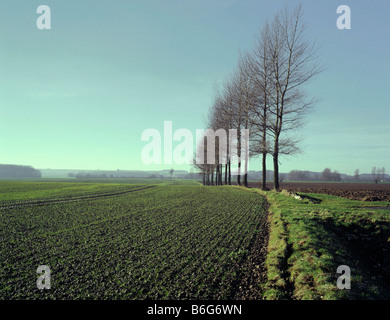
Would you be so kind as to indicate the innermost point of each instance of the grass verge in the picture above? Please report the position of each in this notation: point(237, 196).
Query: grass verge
point(310, 238)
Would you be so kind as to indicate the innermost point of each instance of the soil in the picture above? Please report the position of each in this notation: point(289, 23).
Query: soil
point(354, 191)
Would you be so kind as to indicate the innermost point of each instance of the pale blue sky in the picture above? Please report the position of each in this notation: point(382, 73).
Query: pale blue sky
point(80, 95)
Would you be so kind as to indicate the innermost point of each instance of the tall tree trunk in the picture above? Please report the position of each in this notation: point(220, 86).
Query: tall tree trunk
point(276, 173)
point(276, 166)
point(230, 173)
point(264, 173)
point(226, 172)
point(212, 177)
point(246, 154)
point(264, 124)
point(246, 168)
point(239, 154)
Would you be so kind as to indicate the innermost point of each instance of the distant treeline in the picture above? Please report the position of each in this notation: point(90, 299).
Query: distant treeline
point(327, 175)
point(295, 175)
point(88, 175)
point(16, 171)
point(130, 175)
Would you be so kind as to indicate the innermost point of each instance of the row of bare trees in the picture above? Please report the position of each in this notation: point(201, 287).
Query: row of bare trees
point(264, 95)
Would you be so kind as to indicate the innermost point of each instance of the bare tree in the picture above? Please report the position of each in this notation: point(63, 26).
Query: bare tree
point(224, 110)
point(293, 62)
point(327, 174)
point(219, 143)
point(232, 114)
point(374, 175)
point(265, 95)
point(212, 151)
point(244, 97)
point(219, 125)
point(378, 174)
point(200, 166)
point(260, 71)
point(356, 175)
point(201, 162)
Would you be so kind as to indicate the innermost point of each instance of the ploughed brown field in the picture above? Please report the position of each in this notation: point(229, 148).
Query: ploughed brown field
point(355, 191)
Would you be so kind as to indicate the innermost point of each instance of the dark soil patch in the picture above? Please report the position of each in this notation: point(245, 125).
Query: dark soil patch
point(354, 191)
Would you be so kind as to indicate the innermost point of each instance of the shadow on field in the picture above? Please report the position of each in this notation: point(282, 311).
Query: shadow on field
point(366, 250)
point(311, 199)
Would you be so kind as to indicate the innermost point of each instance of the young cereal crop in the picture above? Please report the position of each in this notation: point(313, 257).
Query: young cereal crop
point(167, 242)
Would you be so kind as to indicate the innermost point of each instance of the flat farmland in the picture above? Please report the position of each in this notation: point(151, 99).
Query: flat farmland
point(179, 240)
point(129, 241)
point(354, 191)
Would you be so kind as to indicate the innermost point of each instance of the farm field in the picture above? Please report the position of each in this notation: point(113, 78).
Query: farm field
point(146, 239)
point(34, 194)
point(129, 241)
point(354, 191)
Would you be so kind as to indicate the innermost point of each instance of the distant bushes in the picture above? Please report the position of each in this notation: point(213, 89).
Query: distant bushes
point(16, 171)
point(297, 175)
point(326, 175)
point(104, 175)
point(163, 174)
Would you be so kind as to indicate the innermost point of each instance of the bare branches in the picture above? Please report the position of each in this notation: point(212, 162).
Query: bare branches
point(265, 93)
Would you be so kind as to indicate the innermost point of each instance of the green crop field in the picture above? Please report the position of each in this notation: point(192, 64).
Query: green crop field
point(176, 240)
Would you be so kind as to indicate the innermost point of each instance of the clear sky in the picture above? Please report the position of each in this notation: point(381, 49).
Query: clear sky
point(80, 95)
